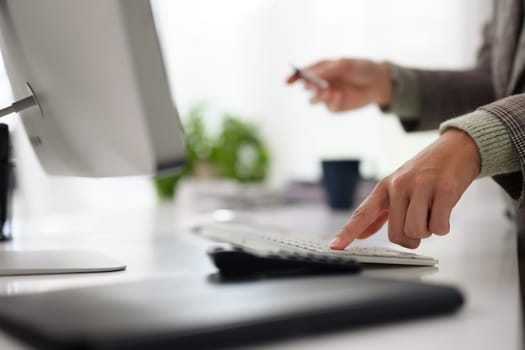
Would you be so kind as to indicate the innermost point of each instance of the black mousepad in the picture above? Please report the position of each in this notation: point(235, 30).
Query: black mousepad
point(193, 312)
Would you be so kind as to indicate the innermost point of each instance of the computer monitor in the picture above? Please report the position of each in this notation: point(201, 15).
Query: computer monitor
point(95, 70)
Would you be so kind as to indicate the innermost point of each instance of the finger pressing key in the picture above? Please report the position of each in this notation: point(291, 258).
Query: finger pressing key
point(368, 212)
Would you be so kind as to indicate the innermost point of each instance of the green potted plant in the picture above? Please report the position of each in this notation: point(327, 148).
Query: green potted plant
point(235, 152)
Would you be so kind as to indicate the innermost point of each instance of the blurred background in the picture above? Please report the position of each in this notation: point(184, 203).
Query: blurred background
point(233, 56)
point(237, 53)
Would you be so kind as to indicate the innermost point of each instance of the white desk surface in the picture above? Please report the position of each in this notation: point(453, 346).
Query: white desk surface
point(479, 255)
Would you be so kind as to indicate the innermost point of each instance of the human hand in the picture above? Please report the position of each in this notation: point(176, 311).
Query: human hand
point(352, 83)
point(417, 199)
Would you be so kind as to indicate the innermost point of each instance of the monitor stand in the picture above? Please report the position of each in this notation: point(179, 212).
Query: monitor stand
point(16, 262)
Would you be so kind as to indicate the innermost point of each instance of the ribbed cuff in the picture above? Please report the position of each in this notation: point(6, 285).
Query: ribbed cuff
point(406, 103)
point(497, 152)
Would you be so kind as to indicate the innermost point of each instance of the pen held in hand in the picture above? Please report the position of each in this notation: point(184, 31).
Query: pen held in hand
point(310, 78)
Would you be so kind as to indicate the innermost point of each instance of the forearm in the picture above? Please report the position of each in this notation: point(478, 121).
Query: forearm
point(496, 128)
point(499, 132)
point(423, 99)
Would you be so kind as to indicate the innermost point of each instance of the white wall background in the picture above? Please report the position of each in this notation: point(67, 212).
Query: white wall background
point(235, 55)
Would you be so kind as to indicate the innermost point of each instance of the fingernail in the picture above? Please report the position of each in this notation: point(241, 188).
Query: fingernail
point(335, 242)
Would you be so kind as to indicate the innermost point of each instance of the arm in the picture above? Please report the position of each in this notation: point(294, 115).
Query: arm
point(417, 199)
point(423, 98)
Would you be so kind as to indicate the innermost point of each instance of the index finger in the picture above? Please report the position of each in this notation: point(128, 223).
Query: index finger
point(368, 212)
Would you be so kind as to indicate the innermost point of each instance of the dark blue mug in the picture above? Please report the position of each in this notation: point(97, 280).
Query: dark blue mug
point(340, 178)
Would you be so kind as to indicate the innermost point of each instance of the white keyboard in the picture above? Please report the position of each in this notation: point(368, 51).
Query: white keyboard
point(268, 240)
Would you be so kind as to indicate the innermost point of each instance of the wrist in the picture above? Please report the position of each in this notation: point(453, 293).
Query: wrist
point(385, 85)
point(465, 149)
point(498, 154)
